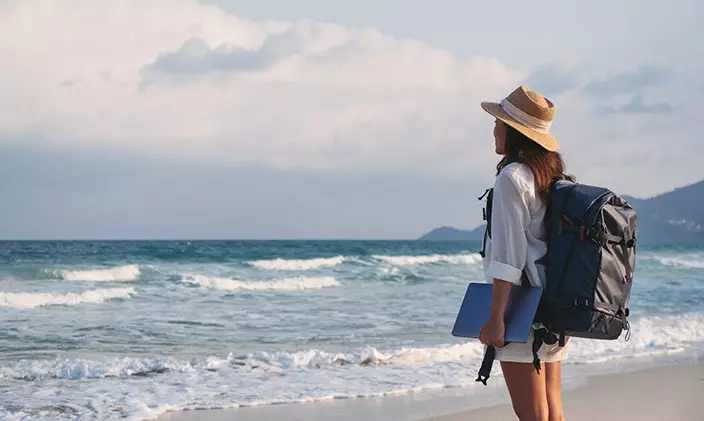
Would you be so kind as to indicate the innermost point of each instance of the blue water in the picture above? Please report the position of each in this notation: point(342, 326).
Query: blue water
point(128, 330)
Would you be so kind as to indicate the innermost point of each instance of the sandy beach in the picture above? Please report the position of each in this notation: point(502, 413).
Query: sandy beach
point(670, 392)
point(662, 394)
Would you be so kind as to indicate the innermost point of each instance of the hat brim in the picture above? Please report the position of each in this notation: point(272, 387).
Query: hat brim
point(546, 140)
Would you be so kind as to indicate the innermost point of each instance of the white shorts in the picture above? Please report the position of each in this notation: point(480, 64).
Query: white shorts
point(519, 352)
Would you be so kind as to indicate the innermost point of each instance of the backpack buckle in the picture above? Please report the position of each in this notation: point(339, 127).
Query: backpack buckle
point(593, 235)
point(580, 303)
point(600, 237)
point(561, 223)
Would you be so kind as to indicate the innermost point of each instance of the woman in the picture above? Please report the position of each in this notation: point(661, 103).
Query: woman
point(530, 162)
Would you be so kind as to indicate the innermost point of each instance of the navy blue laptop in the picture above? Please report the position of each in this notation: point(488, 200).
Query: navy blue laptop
point(476, 306)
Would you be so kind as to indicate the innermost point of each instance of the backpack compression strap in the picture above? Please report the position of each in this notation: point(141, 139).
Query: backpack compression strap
point(487, 362)
point(541, 336)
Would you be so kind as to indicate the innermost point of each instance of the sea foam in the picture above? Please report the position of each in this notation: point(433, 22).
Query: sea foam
point(43, 299)
point(297, 264)
point(120, 273)
point(457, 259)
point(287, 284)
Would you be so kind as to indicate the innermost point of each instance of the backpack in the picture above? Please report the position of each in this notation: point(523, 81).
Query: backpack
point(590, 262)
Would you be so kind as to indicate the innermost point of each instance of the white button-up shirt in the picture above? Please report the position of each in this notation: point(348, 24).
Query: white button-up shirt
point(518, 235)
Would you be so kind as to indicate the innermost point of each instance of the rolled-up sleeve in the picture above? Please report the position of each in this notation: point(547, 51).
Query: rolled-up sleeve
point(510, 216)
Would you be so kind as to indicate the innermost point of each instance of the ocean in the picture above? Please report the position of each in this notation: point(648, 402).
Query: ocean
point(131, 329)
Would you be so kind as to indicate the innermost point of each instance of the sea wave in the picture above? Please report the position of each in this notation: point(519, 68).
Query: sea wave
point(650, 336)
point(457, 259)
point(27, 300)
point(79, 369)
point(122, 385)
point(297, 264)
point(119, 273)
point(287, 284)
point(685, 261)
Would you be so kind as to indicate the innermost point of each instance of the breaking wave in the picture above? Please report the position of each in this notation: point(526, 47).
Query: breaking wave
point(297, 264)
point(651, 336)
point(43, 299)
point(686, 262)
point(457, 259)
point(120, 273)
point(288, 284)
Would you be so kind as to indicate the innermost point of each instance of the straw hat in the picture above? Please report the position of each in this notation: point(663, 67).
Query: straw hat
point(528, 112)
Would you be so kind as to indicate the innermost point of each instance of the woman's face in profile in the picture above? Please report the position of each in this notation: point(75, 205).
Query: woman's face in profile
point(500, 130)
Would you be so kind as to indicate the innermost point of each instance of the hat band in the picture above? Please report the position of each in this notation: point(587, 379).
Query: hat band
point(527, 120)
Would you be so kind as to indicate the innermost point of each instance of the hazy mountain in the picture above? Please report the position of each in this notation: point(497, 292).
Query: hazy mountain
point(453, 234)
point(673, 217)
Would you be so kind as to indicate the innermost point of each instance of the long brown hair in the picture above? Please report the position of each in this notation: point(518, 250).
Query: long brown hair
point(547, 166)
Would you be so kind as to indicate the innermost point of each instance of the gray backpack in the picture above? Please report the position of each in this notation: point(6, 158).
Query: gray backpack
point(590, 264)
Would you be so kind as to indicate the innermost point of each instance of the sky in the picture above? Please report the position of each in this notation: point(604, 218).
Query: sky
point(282, 119)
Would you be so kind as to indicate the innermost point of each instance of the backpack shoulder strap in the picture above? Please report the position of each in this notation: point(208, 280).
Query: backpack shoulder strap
point(486, 216)
point(486, 211)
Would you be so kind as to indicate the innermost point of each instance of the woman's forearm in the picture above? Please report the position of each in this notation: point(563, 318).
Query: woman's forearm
point(502, 290)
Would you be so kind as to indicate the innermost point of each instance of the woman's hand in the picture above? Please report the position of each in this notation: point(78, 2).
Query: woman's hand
point(493, 332)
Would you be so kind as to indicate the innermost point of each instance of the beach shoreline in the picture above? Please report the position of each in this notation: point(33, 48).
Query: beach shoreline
point(668, 390)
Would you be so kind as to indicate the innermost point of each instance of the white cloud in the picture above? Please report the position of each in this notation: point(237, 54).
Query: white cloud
point(178, 77)
point(175, 77)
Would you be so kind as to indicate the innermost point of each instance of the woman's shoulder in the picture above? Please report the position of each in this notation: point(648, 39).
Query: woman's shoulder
point(518, 174)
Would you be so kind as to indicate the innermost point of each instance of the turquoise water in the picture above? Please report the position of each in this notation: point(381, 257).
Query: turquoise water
point(128, 330)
